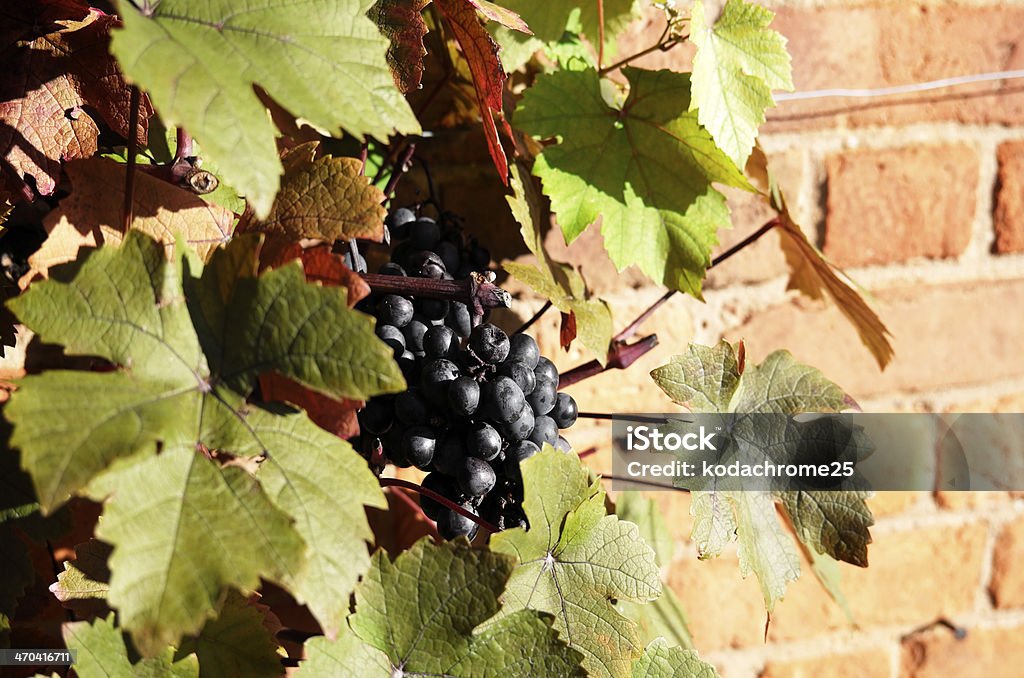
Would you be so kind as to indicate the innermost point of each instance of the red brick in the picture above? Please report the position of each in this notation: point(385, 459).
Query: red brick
point(896, 204)
point(936, 330)
point(1009, 213)
point(881, 44)
point(869, 663)
point(989, 652)
point(1007, 584)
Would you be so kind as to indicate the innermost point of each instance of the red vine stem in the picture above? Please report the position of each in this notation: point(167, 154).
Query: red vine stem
point(444, 501)
point(400, 168)
point(134, 103)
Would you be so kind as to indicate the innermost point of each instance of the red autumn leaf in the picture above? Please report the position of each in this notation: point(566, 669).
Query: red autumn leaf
point(55, 62)
point(402, 23)
point(481, 54)
point(323, 266)
point(567, 332)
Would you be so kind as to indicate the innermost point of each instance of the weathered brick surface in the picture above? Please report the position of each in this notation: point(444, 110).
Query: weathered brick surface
point(869, 663)
point(880, 44)
point(936, 330)
point(989, 652)
point(1007, 584)
point(891, 205)
point(1009, 212)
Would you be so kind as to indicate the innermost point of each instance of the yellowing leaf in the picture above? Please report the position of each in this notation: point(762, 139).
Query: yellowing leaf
point(558, 282)
point(325, 198)
point(92, 215)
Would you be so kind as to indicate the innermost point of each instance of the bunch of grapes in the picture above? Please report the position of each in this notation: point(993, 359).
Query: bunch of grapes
point(479, 401)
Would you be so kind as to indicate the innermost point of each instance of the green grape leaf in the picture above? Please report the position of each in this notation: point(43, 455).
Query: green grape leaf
point(190, 342)
point(645, 167)
point(549, 20)
point(826, 569)
point(101, 653)
point(87, 576)
point(236, 643)
point(661, 661)
point(199, 61)
point(417, 615)
point(562, 284)
point(739, 61)
point(716, 380)
point(325, 198)
point(574, 559)
point(664, 617)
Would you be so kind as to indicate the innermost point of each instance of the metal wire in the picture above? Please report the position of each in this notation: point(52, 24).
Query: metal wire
point(899, 89)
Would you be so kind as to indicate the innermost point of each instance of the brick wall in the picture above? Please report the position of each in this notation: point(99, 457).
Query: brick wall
point(921, 199)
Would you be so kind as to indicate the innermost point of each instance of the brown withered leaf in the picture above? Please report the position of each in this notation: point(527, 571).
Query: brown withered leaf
point(91, 215)
point(323, 266)
point(324, 198)
point(481, 53)
point(402, 22)
point(812, 274)
point(55, 61)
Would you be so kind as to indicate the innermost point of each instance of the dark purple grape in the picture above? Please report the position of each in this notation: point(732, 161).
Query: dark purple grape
point(377, 416)
point(409, 365)
point(521, 373)
point(546, 370)
point(565, 411)
point(410, 408)
point(418, 446)
point(394, 450)
point(476, 477)
point(489, 343)
point(503, 400)
point(426, 264)
point(424, 233)
point(435, 309)
point(483, 441)
point(448, 455)
point(521, 427)
point(444, 486)
point(398, 222)
point(449, 253)
point(523, 347)
point(414, 333)
point(562, 445)
point(479, 257)
point(434, 380)
point(459, 318)
point(544, 431)
point(544, 396)
point(452, 524)
point(393, 337)
point(439, 342)
point(516, 454)
point(395, 310)
point(391, 268)
point(464, 396)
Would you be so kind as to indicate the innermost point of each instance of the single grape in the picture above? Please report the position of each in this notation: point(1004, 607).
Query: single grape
point(546, 370)
point(459, 318)
point(398, 222)
point(565, 411)
point(426, 264)
point(517, 454)
point(483, 441)
point(521, 427)
point(523, 347)
point(489, 343)
point(393, 447)
point(439, 342)
point(476, 477)
point(414, 333)
point(444, 486)
point(435, 377)
point(464, 396)
point(449, 253)
point(544, 431)
point(424, 233)
point(562, 445)
point(504, 400)
point(393, 337)
point(391, 268)
point(521, 373)
point(452, 524)
point(449, 454)
point(377, 416)
point(409, 365)
point(435, 309)
point(395, 310)
point(410, 408)
point(544, 396)
point(418, 445)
